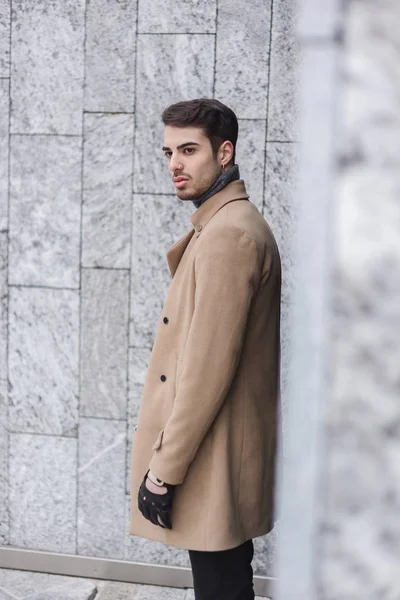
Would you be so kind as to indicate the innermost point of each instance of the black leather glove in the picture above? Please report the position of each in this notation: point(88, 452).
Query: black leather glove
point(156, 507)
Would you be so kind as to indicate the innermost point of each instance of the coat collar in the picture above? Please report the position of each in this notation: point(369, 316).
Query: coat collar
point(235, 190)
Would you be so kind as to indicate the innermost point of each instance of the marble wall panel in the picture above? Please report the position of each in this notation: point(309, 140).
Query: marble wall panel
point(110, 55)
point(5, 20)
point(43, 360)
point(242, 57)
point(3, 306)
point(4, 149)
point(45, 208)
point(250, 156)
point(138, 363)
point(104, 343)
point(43, 492)
point(47, 66)
point(101, 484)
point(359, 536)
point(107, 190)
point(170, 68)
point(158, 222)
point(177, 16)
point(4, 515)
point(279, 209)
point(139, 549)
point(283, 101)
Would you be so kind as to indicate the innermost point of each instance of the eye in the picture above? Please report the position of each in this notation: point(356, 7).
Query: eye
point(167, 154)
point(189, 150)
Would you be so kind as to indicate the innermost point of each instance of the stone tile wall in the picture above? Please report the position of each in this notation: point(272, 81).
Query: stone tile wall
point(87, 211)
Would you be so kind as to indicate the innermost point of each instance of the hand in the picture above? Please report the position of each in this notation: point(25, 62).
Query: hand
point(156, 506)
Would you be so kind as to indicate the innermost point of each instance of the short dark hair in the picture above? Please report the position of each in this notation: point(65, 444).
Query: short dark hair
point(217, 120)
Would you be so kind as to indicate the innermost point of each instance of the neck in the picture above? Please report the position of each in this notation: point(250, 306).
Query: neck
point(222, 180)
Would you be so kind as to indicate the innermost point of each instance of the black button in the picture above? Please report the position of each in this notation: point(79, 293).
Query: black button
point(163, 378)
point(165, 320)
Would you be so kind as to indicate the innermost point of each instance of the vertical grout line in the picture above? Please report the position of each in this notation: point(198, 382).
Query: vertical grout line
point(80, 279)
point(7, 349)
point(128, 354)
point(267, 110)
point(215, 48)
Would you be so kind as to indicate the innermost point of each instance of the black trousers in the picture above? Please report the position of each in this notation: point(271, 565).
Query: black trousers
point(224, 575)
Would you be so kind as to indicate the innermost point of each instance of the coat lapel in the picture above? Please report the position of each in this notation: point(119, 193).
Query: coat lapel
point(175, 252)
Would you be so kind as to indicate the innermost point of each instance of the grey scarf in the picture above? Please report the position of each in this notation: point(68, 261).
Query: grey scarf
point(226, 177)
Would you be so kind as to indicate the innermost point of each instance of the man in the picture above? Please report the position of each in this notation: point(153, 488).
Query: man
point(204, 450)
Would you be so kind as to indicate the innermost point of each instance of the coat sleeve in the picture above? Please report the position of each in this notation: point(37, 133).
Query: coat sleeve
point(227, 272)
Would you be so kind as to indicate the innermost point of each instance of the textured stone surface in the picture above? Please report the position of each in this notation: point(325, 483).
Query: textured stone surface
point(3, 464)
point(104, 343)
point(4, 148)
point(279, 211)
point(114, 590)
point(242, 57)
point(3, 306)
point(177, 16)
point(250, 156)
point(110, 55)
point(47, 66)
point(150, 592)
point(43, 361)
point(4, 38)
point(45, 210)
point(158, 222)
point(264, 554)
point(107, 190)
point(138, 362)
point(42, 490)
point(101, 475)
point(170, 68)
point(43, 586)
point(141, 550)
point(359, 537)
point(283, 101)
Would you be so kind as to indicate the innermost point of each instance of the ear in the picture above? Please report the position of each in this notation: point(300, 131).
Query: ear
point(225, 152)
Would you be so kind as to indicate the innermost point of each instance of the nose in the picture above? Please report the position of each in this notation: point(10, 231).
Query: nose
point(175, 164)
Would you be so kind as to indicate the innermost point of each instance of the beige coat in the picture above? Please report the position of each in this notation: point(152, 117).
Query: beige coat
point(208, 415)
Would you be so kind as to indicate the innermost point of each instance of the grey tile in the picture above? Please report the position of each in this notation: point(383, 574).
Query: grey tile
point(250, 156)
point(45, 199)
point(264, 554)
point(104, 343)
point(42, 488)
point(283, 105)
point(110, 55)
point(114, 590)
point(43, 361)
point(177, 16)
point(4, 515)
point(3, 306)
point(47, 66)
point(107, 190)
point(158, 221)
point(31, 585)
point(242, 57)
point(141, 550)
point(4, 38)
point(138, 362)
point(155, 592)
point(170, 68)
point(101, 487)
point(279, 209)
point(4, 149)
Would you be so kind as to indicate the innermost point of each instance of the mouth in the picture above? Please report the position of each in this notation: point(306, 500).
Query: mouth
point(180, 181)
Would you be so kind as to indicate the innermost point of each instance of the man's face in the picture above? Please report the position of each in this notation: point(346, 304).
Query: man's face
point(191, 161)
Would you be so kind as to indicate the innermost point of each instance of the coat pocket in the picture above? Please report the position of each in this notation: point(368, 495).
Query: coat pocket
point(158, 441)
